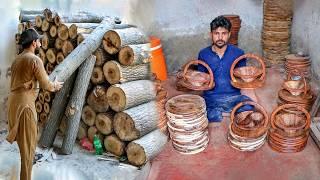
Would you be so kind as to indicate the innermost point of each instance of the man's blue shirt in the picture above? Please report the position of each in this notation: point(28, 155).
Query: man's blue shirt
point(221, 69)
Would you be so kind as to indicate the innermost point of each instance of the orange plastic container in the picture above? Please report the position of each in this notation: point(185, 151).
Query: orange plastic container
point(158, 62)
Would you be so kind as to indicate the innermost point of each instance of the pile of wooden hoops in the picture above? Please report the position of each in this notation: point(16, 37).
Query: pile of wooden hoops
point(187, 123)
point(298, 64)
point(248, 129)
point(190, 79)
point(235, 28)
point(290, 125)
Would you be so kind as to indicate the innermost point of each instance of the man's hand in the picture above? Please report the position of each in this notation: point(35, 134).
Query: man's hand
point(57, 85)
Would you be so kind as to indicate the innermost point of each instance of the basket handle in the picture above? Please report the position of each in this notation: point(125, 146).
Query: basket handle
point(196, 62)
point(274, 113)
point(249, 55)
point(234, 110)
point(289, 77)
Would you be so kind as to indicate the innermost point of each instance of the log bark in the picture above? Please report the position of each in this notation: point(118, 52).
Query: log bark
point(97, 99)
point(47, 42)
point(136, 122)
point(63, 32)
point(38, 21)
point(56, 113)
point(81, 18)
point(146, 148)
point(45, 25)
point(134, 54)
point(63, 125)
point(25, 12)
point(103, 123)
point(79, 54)
point(49, 15)
point(51, 55)
point(46, 108)
point(127, 95)
point(74, 107)
point(114, 39)
point(88, 115)
point(42, 55)
point(97, 76)
point(60, 57)
point(47, 96)
point(53, 31)
point(39, 107)
point(67, 48)
point(83, 131)
point(58, 43)
point(116, 73)
point(114, 145)
point(28, 17)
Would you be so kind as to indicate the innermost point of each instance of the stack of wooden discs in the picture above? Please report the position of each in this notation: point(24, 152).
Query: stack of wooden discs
point(290, 125)
point(277, 19)
point(248, 129)
point(235, 28)
point(187, 123)
point(298, 64)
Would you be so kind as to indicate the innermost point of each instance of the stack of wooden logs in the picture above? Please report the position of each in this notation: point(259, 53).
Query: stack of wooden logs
point(124, 104)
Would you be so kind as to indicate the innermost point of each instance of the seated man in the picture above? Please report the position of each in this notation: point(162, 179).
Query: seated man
point(220, 56)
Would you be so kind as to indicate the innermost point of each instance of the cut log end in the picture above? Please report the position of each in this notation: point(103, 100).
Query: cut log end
point(45, 41)
point(67, 48)
point(53, 31)
point(49, 68)
point(45, 26)
point(63, 32)
point(126, 55)
point(38, 107)
point(116, 98)
point(100, 57)
point(83, 131)
point(41, 97)
point(97, 99)
point(42, 55)
point(57, 20)
point(47, 96)
point(38, 21)
point(73, 31)
point(43, 117)
point(51, 55)
point(88, 115)
point(104, 123)
point(111, 72)
point(111, 42)
point(60, 57)
point(97, 76)
point(91, 132)
point(136, 154)
point(58, 43)
point(114, 145)
point(124, 127)
point(46, 108)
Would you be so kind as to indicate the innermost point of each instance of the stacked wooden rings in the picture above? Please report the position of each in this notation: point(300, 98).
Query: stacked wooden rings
point(248, 129)
point(187, 123)
point(248, 77)
point(289, 130)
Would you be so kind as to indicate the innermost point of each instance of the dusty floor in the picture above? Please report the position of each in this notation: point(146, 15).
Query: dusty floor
point(220, 161)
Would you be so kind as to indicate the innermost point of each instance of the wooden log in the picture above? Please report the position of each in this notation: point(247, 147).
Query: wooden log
point(28, 17)
point(81, 18)
point(47, 42)
point(88, 115)
point(136, 122)
point(81, 52)
point(39, 107)
point(24, 12)
point(46, 107)
point(72, 30)
point(127, 95)
point(103, 123)
point(97, 76)
point(53, 31)
point(17, 38)
point(116, 73)
point(49, 67)
point(42, 55)
point(81, 37)
point(134, 54)
point(45, 25)
point(57, 20)
point(41, 97)
point(30, 24)
point(58, 43)
point(114, 145)
point(60, 57)
point(83, 131)
point(84, 25)
point(38, 21)
point(146, 148)
point(114, 39)
point(43, 117)
point(21, 27)
point(102, 56)
point(67, 47)
point(62, 126)
point(63, 32)
point(56, 114)
point(91, 132)
point(97, 99)
point(51, 55)
point(76, 102)
point(47, 96)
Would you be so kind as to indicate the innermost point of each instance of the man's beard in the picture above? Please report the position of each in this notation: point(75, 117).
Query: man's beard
point(220, 46)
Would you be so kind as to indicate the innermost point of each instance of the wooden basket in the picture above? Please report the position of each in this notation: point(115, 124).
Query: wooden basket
point(196, 80)
point(249, 77)
point(296, 87)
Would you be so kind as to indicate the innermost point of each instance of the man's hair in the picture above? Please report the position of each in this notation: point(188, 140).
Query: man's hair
point(220, 21)
point(27, 45)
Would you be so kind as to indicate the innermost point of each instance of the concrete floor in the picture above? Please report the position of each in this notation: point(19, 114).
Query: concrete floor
point(220, 161)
